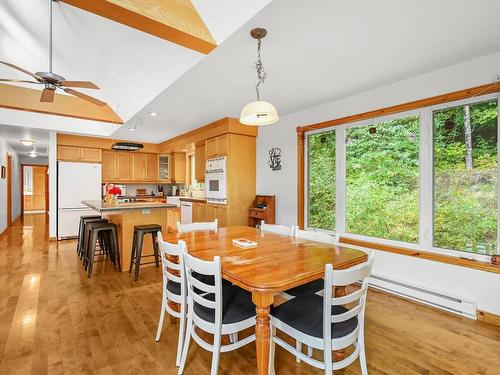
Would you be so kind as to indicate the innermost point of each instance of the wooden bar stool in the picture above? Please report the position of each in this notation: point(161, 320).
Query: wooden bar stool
point(135, 257)
point(107, 233)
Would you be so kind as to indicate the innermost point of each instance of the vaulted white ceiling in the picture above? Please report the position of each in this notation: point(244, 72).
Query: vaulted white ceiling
point(315, 52)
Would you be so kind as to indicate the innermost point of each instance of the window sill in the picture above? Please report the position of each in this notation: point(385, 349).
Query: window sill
point(474, 264)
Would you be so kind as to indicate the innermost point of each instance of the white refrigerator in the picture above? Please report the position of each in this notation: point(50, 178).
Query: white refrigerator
point(75, 182)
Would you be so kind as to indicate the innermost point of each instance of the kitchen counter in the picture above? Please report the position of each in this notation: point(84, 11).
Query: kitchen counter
point(102, 207)
point(191, 199)
point(127, 215)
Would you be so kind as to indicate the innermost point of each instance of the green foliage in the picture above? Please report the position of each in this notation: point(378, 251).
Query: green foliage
point(382, 179)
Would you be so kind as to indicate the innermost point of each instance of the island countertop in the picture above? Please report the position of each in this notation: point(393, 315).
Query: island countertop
point(101, 206)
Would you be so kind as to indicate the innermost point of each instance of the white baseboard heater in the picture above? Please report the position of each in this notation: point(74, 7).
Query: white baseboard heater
point(438, 299)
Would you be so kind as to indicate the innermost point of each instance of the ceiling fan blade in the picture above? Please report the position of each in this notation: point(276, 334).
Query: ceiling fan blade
point(82, 84)
point(19, 81)
point(47, 96)
point(85, 97)
point(20, 69)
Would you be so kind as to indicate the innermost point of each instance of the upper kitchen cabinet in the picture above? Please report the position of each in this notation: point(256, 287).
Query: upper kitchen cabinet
point(152, 167)
point(79, 154)
point(139, 167)
point(109, 172)
point(164, 166)
point(199, 162)
point(178, 169)
point(124, 166)
point(217, 146)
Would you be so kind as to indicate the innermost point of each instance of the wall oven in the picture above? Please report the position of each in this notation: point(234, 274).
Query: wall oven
point(216, 180)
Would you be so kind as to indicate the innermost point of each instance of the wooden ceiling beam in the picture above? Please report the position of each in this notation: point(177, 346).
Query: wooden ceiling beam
point(25, 99)
point(177, 21)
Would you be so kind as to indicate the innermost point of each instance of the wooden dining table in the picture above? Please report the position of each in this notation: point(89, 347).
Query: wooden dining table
point(276, 264)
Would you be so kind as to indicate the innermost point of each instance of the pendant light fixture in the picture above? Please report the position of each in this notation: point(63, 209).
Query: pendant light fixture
point(259, 112)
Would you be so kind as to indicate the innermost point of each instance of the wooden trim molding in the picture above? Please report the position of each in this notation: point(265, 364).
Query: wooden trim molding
point(421, 103)
point(488, 317)
point(427, 255)
point(25, 99)
point(177, 21)
point(300, 178)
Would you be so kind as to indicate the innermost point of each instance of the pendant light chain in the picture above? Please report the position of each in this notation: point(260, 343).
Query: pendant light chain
point(261, 73)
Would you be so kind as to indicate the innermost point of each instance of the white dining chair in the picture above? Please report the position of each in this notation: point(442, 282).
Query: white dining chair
point(277, 228)
point(215, 310)
point(174, 288)
point(211, 226)
point(324, 322)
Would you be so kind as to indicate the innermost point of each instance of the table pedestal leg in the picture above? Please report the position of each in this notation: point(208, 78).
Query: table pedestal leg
point(262, 302)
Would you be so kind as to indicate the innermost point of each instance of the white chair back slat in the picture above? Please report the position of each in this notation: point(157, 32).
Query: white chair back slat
point(318, 236)
point(202, 301)
point(351, 275)
point(172, 271)
point(174, 278)
point(199, 285)
point(277, 228)
point(211, 226)
point(358, 294)
point(337, 318)
point(172, 265)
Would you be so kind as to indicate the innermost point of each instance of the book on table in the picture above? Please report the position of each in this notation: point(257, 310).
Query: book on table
point(243, 242)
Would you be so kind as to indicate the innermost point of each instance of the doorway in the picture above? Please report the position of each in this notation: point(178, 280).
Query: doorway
point(9, 190)
point(35, 189)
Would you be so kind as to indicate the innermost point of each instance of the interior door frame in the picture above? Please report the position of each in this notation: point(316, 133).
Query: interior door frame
point(9, 190)
point(46, 185)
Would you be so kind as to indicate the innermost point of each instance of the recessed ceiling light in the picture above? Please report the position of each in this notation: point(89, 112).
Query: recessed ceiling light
point(153, 114)
point(27, 142)
point(33, 154)
point(132, 128)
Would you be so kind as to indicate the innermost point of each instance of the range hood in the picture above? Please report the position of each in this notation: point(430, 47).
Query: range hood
point(126, 146)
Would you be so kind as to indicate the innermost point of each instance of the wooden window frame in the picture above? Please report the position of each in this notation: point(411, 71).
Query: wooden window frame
point(451, 256)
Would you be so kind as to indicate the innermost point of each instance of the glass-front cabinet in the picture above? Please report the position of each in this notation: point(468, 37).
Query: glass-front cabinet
point(164, 164)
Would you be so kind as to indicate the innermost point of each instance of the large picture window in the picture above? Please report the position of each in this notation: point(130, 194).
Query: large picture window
point(382, 169)
point(465, 177)
point(321, 187)
point(424, 179)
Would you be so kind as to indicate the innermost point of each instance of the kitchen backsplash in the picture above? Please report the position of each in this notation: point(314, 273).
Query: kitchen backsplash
point(167, 189)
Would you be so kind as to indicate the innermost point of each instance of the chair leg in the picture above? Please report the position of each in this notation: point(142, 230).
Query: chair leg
point(187, 339)
point(116, 249)
point(327, 357)
point(182, 333)
point(272, 351)
point(154, 236)
point(91, 254)
point(138, 253)
point(362, 353)
point(298, 346)
point(132, 255)
point(216, 353)
point(160, 322)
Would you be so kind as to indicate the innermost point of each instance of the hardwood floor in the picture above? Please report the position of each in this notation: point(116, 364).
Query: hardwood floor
point(53, 320)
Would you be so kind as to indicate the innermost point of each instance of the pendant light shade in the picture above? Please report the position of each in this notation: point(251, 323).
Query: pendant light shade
point(259, 113)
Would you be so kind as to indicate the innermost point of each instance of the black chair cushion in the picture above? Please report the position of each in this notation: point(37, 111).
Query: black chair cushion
point(174, 287)
point(309, 288)
point(305, 314)
point(237, 306)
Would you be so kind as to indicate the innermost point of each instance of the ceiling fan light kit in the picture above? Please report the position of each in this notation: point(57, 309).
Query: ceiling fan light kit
point(51, 80)
point(259, 112)
point(127, 146)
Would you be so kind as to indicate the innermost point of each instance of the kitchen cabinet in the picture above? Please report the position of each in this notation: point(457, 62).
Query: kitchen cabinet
point(124, 166)
point(79, 154)
point(152, 167)
point(217, 146)
point(109, 165)
point(199, 163)
point(178, 168)
point(139, 167)
point(164, 167)
point(199, 212)
point(210, 212)
point(173, 216)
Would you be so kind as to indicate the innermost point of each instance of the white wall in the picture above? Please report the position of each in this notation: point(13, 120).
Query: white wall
point(52, 184)
point(16, 185)
point(477, 285)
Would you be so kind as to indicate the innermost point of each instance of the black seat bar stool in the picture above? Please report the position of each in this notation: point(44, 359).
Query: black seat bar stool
point(135, 257)
point(108, 233)
point(86, 238)
point(79, 245)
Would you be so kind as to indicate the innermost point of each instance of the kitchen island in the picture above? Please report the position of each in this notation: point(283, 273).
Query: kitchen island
point(126, 215)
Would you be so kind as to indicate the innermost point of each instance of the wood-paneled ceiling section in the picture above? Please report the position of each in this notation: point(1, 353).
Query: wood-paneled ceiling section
point(177, 21)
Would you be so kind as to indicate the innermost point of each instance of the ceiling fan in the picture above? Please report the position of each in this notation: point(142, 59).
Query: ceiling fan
point(53, 81)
